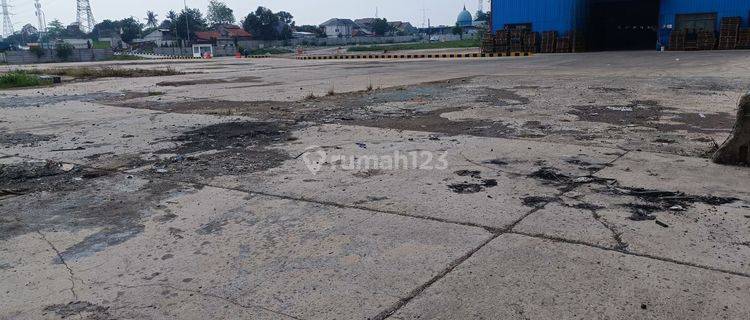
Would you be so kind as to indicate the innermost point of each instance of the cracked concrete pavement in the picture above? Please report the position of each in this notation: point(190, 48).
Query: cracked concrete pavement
point(573, 186)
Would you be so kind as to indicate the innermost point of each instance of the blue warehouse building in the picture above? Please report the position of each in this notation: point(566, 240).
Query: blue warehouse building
point(618, 24)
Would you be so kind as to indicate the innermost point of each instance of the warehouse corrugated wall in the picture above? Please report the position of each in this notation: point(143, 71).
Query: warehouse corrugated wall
point(723, 8)
point(568, 15)
point(545, 15)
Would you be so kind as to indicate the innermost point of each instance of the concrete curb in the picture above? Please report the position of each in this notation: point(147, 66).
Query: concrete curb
point(417, 56)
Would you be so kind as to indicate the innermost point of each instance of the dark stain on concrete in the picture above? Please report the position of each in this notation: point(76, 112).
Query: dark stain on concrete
point(82, 309)
point(247, 79)
point(23, 139)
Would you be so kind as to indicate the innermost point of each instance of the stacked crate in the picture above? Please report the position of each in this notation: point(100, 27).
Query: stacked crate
point(531, 42)
point(677, 40)
point(706, 40)
point(578, 43)
point(502, 41)
point(516, 40)
point(488, 42)
point(563, 44)
point(743, 40)
point(549, 42)
point(730, 30)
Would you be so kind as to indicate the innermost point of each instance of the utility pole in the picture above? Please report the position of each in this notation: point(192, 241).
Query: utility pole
point(84, 16)
point(7, 24)
point(187, 22)
point(40, 17)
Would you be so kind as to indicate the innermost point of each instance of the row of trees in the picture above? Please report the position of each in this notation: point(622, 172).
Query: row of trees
point(262, 23)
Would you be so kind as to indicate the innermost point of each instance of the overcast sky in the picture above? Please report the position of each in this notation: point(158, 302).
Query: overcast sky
point(304, 11)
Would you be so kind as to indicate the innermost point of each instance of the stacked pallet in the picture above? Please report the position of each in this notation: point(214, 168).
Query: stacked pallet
point(563, 44)
point(502, 41)
point(531, 42)
point(578, 43)
point(549, 42)
point(516, 40)
point(729, 33)
point(743, 40)
point(706, 40)
point(677, 40)
point(488, 42)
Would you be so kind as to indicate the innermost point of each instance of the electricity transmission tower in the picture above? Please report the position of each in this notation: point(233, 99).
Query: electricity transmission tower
point(40, 16)
point(85, 17)
point(7, 24)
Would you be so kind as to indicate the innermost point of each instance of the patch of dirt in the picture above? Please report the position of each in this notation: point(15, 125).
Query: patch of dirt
point(114, 205)
point(231, 148)
point(537, 202)
point(37, 176)
point(501, 97)
point(23, 139)
point(432, 121)
point(662, 201)
point(699, 123)
point(642, 113)
point(80, 309)
point(477, 185)
point(247, 79)
point(651, 115)
point(608, 89)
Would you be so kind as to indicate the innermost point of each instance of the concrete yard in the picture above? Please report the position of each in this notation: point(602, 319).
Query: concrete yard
point(561, 186)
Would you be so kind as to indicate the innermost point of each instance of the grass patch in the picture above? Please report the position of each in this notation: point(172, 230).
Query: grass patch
point(106, 72)
point(21, 79)
point(467, 43)
point(125, 57)
point(101, 45)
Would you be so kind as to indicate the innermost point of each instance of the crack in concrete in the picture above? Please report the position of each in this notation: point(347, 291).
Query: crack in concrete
point(62, 260)
point(630, 253)
point(210, 295)
point(616, 235)
point(416, 292)
point(496, 232)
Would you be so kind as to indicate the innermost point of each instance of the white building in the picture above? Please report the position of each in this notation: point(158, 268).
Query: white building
point(340, 28)
point(160, 37)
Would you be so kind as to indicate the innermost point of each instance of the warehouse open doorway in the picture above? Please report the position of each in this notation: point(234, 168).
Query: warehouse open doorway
point(622, 24)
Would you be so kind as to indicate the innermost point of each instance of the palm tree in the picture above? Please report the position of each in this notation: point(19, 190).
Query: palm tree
point(172, 16)
point(151, 20)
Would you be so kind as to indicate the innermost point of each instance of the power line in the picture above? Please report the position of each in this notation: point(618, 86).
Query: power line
point(40, 16)
point(84, 16)
point(7, 24)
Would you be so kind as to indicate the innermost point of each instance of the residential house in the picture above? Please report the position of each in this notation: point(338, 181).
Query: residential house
point(161, 37)
point(365, 23)
point(226, 38)
point(401, 28)
point(341, 28)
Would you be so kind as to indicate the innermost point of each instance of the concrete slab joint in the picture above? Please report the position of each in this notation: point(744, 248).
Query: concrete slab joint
point(736, 150)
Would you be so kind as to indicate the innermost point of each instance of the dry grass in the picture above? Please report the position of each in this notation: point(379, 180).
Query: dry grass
point(106, 72)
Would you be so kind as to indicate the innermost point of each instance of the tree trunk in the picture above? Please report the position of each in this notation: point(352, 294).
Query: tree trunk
point(736, 150)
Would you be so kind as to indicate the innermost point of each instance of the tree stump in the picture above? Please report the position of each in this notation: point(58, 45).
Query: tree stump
point(736, 150)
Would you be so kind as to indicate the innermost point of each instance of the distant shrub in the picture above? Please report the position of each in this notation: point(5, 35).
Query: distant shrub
point(37, 51)
point(15, 79)
point(64, 50)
